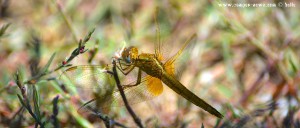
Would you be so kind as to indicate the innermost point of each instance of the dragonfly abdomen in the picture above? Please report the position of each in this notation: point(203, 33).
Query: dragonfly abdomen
point(180, 89)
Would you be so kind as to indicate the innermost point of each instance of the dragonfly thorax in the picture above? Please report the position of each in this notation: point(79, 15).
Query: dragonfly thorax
point(149, 64)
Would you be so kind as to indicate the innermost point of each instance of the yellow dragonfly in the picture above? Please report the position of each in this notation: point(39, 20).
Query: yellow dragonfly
point(145, 87)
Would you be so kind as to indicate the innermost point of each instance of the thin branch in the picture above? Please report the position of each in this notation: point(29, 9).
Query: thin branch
point(107, 121)
point(136, 119)
point(37, 73)
point(79, 50)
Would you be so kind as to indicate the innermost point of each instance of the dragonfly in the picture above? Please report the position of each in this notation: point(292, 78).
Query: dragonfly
point(146, 86)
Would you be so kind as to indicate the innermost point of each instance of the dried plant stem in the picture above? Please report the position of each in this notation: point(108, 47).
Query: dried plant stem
point(136, 119)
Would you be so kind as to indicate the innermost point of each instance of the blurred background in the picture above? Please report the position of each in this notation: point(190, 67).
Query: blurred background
point(244, 60)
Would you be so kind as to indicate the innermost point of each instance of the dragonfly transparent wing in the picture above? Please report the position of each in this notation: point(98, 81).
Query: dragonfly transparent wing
point(88, 81)
point(149, 88)
point(96, 81)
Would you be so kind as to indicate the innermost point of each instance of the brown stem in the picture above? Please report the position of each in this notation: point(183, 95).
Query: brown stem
point(136, 119)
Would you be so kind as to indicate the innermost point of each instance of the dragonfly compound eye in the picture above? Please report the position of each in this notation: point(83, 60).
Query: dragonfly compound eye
point(127, 59)
point(130, 54)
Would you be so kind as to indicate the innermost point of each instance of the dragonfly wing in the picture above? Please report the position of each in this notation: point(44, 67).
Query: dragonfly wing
point(171, 60)
point(170, 68)
point(158, 52)
point(88, 77)
point(91, 82)
point(154, 86)
point(149, 88)
point(169, 65)
point(104, 92)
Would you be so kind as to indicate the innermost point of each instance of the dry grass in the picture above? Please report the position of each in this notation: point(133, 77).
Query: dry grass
point(245, 61)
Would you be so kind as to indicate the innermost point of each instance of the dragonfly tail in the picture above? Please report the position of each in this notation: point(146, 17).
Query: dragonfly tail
point(180, 89)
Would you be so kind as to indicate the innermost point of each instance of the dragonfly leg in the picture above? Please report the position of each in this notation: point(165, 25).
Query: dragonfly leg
point(138, 81)
point(120, 64)
point(129, 68)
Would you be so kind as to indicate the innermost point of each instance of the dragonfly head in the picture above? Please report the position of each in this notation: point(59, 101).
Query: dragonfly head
point(129, 54)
